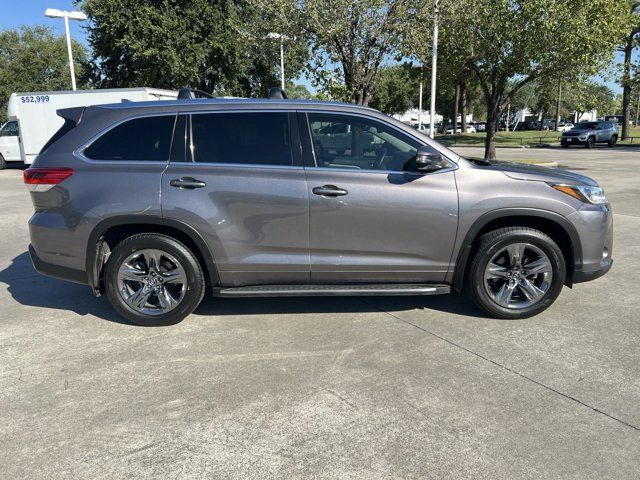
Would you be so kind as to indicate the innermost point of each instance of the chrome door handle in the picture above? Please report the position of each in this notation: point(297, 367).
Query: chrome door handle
point(187, 183)
point(329, 191)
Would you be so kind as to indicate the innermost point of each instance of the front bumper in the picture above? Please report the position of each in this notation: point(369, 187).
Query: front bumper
point(580, 276)
point(573, 140)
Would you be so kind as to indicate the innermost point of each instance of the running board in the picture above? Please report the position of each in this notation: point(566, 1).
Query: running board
point(332, 290)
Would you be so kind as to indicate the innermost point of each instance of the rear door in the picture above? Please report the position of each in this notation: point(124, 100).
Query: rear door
point(237, 178)
point(373, 218)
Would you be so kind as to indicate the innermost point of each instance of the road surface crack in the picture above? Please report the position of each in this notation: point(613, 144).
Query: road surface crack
point(511, 370)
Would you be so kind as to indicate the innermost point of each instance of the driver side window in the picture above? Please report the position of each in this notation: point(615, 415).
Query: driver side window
point(351, 142)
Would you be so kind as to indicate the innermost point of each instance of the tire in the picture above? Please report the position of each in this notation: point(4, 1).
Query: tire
point(170, 292)
point(537, 246)
point(612, 142)
point(3, 163)
point(590, 142)
point(564, 144)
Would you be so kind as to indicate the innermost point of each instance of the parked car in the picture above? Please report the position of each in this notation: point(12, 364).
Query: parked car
point(565, 127)
point(154, 203)
point(449, 130)
point(590, 133)
point(480, 126)
point(9, 143)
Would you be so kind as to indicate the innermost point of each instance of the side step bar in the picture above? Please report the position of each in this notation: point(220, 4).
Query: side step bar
point(332, 290)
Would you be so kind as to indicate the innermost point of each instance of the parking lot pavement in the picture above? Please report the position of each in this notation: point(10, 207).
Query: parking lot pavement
point(407, 387)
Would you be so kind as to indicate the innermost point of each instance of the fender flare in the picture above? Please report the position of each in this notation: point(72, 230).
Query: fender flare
point(94, 244)
point(483, 220)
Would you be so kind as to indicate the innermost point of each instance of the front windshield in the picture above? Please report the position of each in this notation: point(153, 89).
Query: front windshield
point(10, 129)
point(586, 126)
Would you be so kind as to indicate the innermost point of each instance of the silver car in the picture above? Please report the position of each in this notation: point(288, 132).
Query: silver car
point(590, 133)
point(155, 203)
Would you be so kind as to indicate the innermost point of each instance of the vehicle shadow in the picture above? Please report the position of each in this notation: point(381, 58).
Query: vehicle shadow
point(30, 288)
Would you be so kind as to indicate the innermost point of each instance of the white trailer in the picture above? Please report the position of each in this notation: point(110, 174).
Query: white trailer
point(38, 121)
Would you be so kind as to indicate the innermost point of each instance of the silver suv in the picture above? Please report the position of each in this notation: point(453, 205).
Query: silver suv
point(590, 133)
point(154, 203)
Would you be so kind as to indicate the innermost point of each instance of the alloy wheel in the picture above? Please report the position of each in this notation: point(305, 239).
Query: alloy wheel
point(151, 282)
point(518, 276)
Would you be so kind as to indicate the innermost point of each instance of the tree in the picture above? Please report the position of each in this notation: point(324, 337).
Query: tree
point(396, 89)
point(587, 96)
point(628, 79)
point(217, 46)
point(35, 59)
point(348, 40)
point(511, 43)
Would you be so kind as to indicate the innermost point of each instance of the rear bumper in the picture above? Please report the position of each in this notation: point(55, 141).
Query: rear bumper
point(56, 271)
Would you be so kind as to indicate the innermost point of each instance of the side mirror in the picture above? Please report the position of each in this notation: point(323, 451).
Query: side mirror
point(427, 161)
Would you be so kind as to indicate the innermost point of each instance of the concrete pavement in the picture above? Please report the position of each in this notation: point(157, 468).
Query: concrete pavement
point(407, 387)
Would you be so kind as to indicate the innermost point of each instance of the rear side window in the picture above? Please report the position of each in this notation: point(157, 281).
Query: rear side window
point(245, 138)
point(66, 127)
point(140, 139)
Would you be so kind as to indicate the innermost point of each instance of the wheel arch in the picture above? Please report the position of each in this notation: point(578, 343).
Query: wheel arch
point(113, 230)
point(553, 224)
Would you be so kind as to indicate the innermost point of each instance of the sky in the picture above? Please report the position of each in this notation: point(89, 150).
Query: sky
point(31, 12)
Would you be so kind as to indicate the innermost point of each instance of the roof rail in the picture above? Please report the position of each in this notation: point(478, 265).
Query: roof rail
point(277, 93)
point(192, 94)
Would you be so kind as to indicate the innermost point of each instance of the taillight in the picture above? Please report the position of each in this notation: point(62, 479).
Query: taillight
point(45, 177)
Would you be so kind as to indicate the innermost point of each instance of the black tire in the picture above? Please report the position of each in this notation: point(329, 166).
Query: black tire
point(613, 141)
point(564, 144)
point(194, 285)
point(491, 243)
point(3, 163)
point(590, 142)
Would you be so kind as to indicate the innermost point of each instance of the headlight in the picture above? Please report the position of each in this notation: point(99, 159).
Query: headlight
point(584, 193)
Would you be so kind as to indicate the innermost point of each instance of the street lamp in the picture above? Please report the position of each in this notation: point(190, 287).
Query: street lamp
point(434, 64)
point(282, 38)
point(55, 13)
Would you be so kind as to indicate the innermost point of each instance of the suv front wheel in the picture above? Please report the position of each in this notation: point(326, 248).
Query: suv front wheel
point(153, 280)
point(516, 272)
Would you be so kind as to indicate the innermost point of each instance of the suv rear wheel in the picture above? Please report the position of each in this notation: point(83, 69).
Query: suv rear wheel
point(516, 272)
point(590, 142)
point(612, 142)
point(153, 280)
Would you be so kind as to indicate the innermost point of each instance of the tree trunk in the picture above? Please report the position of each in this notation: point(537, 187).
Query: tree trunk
point(558, 105)
point(455, 108)
point(493, 119)
point(626, 87)
point(463, 105)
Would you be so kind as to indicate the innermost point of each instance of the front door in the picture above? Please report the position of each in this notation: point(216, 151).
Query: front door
point(373, 217)
point(237, 179)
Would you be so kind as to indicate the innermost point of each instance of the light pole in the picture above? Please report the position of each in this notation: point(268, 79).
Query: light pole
point(55, 13)
point(282, 38)
point(434, 64)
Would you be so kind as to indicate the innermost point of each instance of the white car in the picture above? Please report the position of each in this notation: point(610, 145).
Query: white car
point(470, 129)
point(9, 143)
point(565, 127)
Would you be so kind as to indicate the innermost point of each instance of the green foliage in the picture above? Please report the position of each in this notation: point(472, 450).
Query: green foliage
point(396, 89)
point(217, 46)
point(348, 40)
point(511, 43)
point(35, 59)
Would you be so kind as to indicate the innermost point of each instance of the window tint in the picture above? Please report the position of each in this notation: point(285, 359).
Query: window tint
point(10, 129)
point(179, 145)
point(143, 139)
point(342, 141)
point(66, 127)
point(249, 138)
